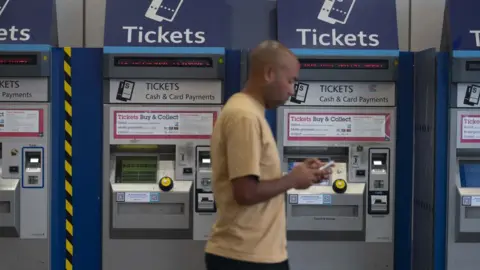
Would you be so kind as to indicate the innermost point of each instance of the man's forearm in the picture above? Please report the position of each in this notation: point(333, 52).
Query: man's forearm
point(265, 190)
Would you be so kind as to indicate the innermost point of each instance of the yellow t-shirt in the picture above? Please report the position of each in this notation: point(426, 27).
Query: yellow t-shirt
point(243, 144)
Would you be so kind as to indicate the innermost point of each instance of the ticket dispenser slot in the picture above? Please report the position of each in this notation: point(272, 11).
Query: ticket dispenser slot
point(205, 207)
point(140, 209)
point(379, 181)
point(9, 201)
point(319, 213)
point(468, 200)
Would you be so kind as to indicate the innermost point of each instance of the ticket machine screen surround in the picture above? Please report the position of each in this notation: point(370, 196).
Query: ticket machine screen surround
point(470, 174)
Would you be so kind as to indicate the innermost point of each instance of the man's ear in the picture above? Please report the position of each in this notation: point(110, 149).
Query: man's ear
point(269, 74)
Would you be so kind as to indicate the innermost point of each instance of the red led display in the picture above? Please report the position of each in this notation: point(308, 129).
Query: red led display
point(197, 62)
point(343, 64)
point(18, 59)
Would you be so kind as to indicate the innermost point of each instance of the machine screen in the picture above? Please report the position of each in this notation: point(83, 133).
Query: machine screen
point(18, 59)
point(343, 64)
point(136, 169)
point(473, 65)
point(150, 61)
point(470, 174)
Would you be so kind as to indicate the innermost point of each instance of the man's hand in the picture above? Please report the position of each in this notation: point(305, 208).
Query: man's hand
point(314, 163)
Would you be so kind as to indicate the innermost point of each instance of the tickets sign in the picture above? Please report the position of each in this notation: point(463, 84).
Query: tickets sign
point(470, 129)
point(26, 21)
point(167, 23)
point(338, 127)
point(468, 95)
point(338, 24)
point(343, 94)
point(166, 91)
point(163, 124)
point(464, 24)
point(21, 123)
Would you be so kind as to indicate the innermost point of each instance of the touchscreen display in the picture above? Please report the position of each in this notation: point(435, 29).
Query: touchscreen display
point(470, 174)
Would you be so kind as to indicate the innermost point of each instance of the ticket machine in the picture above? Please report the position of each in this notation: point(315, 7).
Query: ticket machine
point(343, 110)
point(159, 112)
point(464, 165)
point(25, 159)
point(446, 213)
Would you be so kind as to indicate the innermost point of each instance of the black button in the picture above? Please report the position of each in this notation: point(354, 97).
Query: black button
point(13, 169)
point(187, 170)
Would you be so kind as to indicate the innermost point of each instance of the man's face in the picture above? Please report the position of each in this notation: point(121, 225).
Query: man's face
point(280, 82)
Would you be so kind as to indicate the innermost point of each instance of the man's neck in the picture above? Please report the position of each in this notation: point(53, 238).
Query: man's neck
point(255, 93)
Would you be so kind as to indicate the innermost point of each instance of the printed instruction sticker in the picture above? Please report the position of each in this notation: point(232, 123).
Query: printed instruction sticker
point(21, 123)
point(137, 197)
point(163, 125)
point(338, 127)
point(314, 199)
point(475, 201)
point(470, 129)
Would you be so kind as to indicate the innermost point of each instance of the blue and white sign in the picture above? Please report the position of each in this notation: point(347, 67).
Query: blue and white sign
point(338, 24)
point(464, 24)
point(26, 21)
point(167, 23)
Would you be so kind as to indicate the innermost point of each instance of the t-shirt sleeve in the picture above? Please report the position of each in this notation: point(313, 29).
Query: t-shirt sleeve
point(244, 146)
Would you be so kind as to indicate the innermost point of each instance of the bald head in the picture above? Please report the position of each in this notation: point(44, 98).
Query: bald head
point(273, 72)
point(269, 53)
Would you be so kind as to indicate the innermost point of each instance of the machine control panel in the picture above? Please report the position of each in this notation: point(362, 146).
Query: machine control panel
point(205, 202)
point(379, 181)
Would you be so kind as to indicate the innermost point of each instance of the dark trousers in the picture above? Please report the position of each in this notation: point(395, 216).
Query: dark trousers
point(215, 262)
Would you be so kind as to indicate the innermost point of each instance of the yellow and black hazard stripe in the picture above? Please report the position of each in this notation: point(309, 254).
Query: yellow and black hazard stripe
point(67, 84)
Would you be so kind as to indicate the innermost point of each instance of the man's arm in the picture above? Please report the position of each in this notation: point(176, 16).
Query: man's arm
point(244, 151)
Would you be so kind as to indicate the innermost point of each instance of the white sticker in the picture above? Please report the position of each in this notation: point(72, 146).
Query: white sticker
point(166, 91)
point(19, 121)
point(475, 201)
point(23, 89)
point(158, 124)
point(470, 128)
point(137, 197)
point(310, 199)
point(355, 161)
point(343, 94)
point(338, 126)
point(468, 95)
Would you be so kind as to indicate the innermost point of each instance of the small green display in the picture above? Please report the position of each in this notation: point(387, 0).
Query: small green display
point(137, 169)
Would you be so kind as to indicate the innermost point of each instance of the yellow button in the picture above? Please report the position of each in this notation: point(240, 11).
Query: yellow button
point(340, 183)
point(166, 181)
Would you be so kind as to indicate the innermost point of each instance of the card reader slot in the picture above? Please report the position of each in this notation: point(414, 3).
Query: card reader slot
point(325, 211)
point(137, 209)
point(472, 212)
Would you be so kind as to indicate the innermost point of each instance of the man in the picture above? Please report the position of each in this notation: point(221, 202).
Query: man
point(249, 189)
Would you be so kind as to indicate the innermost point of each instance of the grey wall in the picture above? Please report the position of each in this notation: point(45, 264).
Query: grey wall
point(419, 23)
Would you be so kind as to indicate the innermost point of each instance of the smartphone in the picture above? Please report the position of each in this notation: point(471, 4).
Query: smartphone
point(125, 90)
point(472, 95)
point(336, 11)
point(300, 95)
point(3, 5)
point(328, 165)
point(163, 10)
